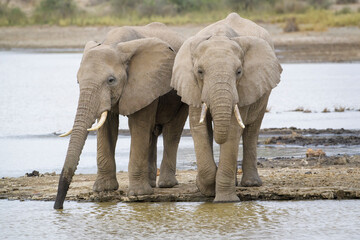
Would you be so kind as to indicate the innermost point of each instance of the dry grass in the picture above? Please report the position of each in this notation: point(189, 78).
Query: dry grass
point(339, 109)
point(299, 109)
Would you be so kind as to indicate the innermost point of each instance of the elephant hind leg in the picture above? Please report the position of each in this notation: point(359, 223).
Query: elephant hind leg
point(153, 155)
point(171, 134)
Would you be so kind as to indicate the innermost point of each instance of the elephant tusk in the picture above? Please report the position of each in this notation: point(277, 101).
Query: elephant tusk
point(203, 113)
point(100, 123)
point(238, 116)
point(66, 134)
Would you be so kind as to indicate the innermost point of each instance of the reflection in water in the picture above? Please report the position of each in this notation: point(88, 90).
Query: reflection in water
point(280, 220)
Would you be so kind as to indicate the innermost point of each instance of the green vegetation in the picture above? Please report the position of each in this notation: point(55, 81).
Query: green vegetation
point(11, 16)
point(51, 11)
point(308, 14)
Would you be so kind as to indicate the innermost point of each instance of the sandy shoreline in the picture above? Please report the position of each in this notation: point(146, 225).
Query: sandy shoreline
point(335, 177)
point(333, 45)
point(315, 176)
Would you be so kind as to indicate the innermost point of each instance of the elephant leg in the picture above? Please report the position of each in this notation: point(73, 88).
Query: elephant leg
point(171, 134)
point(202, 135)
point(226, 173)
point(153, 159)
point(106, 141)
point(250, 177)
point(141, 125)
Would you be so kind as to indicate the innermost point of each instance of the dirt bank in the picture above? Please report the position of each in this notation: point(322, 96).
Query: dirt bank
point(303, 137)
point(336, 177)
point(333, 45)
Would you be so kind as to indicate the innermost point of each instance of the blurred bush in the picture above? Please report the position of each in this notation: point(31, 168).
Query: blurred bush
point(321, 4)
point(51, 11)
point(11, 16)
point(346, 1)
point(291, 6)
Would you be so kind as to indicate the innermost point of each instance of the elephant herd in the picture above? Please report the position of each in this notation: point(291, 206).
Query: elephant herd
point(221, 78)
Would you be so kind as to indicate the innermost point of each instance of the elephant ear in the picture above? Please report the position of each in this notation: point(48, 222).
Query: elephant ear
point(149, 64)
point(261, 69)
point(183, 79)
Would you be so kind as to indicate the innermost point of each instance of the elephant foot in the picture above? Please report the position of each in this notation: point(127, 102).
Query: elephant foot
point(152, 183)
point(167, 181)
point(206, 189)
point(251, 181)
point(105, 184)
point(140, 189)
point(224, 198)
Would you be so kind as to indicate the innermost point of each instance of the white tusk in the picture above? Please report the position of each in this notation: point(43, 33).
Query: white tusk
point(203, 113)
point(238, 116)
point(100, 123)
point(66, 134)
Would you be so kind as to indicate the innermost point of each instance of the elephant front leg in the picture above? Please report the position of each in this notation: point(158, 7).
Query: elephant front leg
point(226, 173)
point(141, 125)
point(106, 141)
point(172, 133)
point(203, 143)
point(250, 177)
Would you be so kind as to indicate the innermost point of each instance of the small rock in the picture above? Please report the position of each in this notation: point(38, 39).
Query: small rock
point(308, 172)
point(33, 174)
point(341, 161)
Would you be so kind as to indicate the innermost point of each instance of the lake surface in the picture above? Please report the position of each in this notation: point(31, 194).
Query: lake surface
point(38, 96)
point(322, 219)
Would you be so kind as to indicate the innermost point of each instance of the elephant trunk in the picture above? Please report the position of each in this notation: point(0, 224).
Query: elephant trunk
point(221, 105)
point(85, 116)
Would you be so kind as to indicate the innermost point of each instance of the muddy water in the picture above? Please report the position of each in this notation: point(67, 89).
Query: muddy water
point(249, 220)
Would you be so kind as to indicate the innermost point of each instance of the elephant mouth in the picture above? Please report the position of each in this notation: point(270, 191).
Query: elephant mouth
point(204, 109)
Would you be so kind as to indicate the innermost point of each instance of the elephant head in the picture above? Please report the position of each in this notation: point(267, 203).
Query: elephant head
point(223, 72)
point(122, 78)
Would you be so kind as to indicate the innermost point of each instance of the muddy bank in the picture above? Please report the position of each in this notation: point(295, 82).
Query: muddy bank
point(303, 137)
point(336, 177)
point(333, 45)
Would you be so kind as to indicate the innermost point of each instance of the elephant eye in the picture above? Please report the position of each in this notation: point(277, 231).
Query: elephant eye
point(238, 72)
point(111, 80)
point(200, 71)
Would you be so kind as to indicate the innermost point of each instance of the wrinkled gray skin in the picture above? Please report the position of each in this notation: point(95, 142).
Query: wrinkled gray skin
point(227, 63)
point(129, 74)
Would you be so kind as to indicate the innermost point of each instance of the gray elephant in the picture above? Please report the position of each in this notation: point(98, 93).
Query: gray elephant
point(129, 74)
point(229, 68)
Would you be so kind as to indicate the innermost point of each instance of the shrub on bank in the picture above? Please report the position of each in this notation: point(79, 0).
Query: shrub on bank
point(11, 16)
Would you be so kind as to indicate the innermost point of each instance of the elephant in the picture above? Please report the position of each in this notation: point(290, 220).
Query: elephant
point(129, 73)
point(225, 73)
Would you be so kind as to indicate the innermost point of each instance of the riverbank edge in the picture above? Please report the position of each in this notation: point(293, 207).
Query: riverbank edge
point(310, 178)
point(334, 45)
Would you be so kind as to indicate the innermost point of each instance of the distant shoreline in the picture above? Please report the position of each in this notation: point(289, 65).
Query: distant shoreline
point(334, 45)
